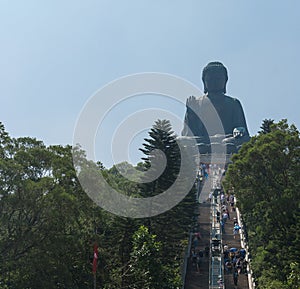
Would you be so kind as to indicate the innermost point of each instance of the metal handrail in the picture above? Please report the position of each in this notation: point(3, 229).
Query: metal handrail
point(216, 270)
point(244, 244)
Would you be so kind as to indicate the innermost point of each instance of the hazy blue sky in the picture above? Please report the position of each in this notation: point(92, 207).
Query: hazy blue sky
point(55, 54)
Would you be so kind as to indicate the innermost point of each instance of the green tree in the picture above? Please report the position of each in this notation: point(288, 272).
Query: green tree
point(171, 227)
point(46, 220)
point(266, 126)
point(146, 267)
point(294, 277)
point(48, 224)
point(161, 148)
point(265, 177)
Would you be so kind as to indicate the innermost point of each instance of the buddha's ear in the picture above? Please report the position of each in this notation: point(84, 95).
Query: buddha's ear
point(224, 90)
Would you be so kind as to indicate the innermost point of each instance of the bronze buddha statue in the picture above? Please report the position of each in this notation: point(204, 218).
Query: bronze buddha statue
point(215, 115)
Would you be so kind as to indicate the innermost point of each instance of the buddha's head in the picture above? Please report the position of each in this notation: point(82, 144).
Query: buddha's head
point(214, 77)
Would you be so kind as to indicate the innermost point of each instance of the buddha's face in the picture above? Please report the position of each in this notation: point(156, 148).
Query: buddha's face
point(215, 81)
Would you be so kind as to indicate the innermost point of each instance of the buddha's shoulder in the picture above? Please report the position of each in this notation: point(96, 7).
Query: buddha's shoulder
point(231, 99)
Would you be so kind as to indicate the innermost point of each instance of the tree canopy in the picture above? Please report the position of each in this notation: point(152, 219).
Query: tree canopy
point(48, 224)
point(265, 178)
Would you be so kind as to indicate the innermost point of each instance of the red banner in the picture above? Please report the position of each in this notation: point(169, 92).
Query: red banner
point(95, 258)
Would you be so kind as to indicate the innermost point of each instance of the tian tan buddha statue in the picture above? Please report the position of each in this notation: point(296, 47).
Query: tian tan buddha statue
point(215, 117)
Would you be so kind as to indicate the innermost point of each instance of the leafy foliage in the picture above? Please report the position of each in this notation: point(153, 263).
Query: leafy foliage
point(48, 224)
point(266, 126)
point(265, 177)
point(171, 227)
point(145, 263)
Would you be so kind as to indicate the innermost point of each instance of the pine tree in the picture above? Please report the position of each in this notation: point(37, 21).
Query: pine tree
point(266, 126)
point(160, 149)
point(171, 227)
